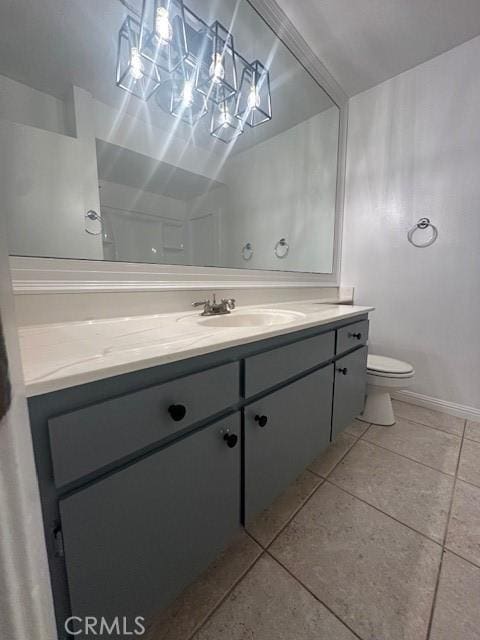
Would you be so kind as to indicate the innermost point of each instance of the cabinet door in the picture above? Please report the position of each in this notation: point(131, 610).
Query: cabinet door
point(349, 393)
point(134, 540)
point(284, 432)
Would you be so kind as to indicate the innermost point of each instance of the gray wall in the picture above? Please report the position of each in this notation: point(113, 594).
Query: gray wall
point(413, 151)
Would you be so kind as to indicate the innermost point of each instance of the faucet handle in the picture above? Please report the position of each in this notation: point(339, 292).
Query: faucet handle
point(229, 302)
point(203, 303)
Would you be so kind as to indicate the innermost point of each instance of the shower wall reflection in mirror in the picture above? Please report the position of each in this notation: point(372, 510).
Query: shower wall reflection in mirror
point(204, 142)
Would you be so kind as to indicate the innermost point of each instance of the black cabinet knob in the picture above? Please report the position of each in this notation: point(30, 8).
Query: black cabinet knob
point(262, 420)
point(343, 371)
point(357, 336)
point(177, 411)
point(231, 439)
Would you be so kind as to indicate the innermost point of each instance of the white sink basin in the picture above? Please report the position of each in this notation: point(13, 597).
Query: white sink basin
point(248, 318)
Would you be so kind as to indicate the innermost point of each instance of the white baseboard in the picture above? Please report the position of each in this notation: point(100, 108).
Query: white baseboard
point(452, 408)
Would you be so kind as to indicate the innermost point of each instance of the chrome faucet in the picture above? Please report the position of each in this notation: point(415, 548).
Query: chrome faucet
point(215, 308)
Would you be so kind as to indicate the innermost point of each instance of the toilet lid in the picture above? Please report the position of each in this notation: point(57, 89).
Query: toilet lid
point(382, 364)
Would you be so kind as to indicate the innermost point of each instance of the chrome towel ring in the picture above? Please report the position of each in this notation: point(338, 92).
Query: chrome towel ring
point(94, 216)
point(247, 251)
point(423, 223)
point(281, 249)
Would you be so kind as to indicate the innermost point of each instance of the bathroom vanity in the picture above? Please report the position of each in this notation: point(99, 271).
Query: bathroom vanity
point(146, 476)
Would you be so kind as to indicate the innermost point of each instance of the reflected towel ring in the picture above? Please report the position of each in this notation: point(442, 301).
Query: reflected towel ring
point(94, 216)
point(423, 223)
point(247, 251)
point(283, 244)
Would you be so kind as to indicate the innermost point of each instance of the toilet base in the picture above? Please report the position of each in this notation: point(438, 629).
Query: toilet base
point(378, 408)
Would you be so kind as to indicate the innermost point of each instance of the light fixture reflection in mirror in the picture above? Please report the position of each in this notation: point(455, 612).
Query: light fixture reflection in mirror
point(200, 66)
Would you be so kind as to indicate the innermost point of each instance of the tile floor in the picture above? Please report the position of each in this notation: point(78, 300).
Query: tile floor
point(378, 540)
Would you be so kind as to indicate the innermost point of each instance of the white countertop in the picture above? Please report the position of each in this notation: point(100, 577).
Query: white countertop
point(58, 356)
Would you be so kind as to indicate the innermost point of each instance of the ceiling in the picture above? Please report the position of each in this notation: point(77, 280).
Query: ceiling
point(123, 166)
point(364, 42)
point(53, 44)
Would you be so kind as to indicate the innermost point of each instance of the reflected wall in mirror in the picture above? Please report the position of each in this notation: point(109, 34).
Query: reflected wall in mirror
point(88, 170)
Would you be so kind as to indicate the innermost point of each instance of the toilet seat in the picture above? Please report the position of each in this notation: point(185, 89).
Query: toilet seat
point(383, 367)
point(384, 376)
point(400, 376)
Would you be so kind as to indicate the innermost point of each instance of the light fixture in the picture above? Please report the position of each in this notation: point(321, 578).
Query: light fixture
point(186, 103)
point(163, 36)
point(254, 104)
point(217, 69)
point(191, 65)
point(224, 125)
point(134, 74)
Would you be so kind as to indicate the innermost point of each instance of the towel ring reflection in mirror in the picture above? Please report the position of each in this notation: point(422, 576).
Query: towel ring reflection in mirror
point(94, 217)
point(281, 249)
point(422, 224)
point(247, 251)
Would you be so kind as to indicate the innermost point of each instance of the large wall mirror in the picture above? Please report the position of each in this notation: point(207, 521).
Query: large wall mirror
point(163, 132)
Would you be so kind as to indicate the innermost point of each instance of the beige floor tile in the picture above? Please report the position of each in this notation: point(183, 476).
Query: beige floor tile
point(457, 614)
point(442, 421)
point(431, 447)
point(472, 431)
point(469, 468)
point(193, 606)
point(377, 575)
point(327, 460)
point(357, 428)
point(412, 493)
point(267, 524)
point(268, 604)
point(463, 535)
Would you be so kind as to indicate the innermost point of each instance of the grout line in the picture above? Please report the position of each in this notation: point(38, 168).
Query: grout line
point(304, 586)
point(475, 486)
point(338, 461)
point(292, 516)
point(402, 455)
point(310, 496)
point(437, 583)
point(389, 515)
point(429, 426)
point(470, 562)
point(222, 599)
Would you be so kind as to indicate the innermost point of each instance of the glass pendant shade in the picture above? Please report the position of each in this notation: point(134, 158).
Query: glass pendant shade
point(163, 36)
point(134, 73)
point(224, 125)
point(254, 102)
point(217, 68)
point(186, 102)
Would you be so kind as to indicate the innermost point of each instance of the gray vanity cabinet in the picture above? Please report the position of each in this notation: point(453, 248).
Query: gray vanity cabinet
point(350, 387)
point(284, 432)
point(142, 486)
point(132, 541)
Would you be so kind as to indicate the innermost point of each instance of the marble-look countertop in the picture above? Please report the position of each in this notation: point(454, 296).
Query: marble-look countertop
point(58, 356)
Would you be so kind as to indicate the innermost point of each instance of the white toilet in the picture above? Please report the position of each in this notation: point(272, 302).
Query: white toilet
point(383, 376)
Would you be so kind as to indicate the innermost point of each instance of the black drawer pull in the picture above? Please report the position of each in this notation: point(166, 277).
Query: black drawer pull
point(177, 411)
point(357, 336)
point(231, 439)
point(262, 420)
point(343, 371)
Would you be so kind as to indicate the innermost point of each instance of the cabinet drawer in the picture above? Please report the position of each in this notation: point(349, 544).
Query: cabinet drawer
point(297, 429)
point(351, 336)
point(134, 540)
point(268, 369)
point(86, 440)
point(349, 393)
